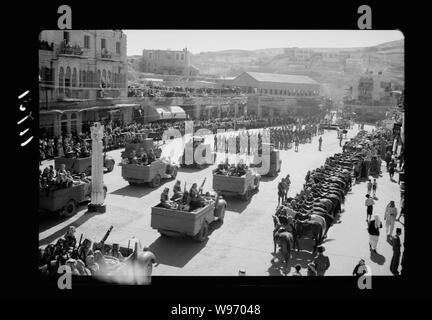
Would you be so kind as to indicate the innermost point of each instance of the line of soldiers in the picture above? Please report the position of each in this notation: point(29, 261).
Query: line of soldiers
point(234, 142)
point(284, 137)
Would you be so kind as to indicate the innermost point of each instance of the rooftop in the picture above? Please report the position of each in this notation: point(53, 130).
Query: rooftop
point(281, 78)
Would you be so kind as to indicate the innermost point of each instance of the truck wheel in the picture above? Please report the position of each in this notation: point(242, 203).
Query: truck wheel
point(156, 181)
point(247, 194)
point(69, 209)
point(222, 214)
point(203, 233)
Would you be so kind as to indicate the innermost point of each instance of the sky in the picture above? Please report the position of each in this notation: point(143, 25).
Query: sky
point(216, 40)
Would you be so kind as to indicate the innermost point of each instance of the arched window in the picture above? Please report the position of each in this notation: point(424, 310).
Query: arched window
point(104, 75)
point(61, 79)
point(68, 81)
point(99, 78)
point(84, 79)
point(68, 77)
point(74, 77)
point(89, 79)
point(64, 123)
point(74, 123)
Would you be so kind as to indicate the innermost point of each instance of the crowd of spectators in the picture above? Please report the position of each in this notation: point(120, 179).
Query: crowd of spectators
point(84, 259)
point(118, 133)
point(45, 45)
point(158, 90)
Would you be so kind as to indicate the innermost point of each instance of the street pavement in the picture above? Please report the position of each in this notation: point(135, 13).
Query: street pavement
point(244, 239)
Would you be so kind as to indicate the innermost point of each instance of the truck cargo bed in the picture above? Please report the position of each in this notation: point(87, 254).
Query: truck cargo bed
point(140, 172)
point(188, 223)
point(230, 183)
point(55, 200)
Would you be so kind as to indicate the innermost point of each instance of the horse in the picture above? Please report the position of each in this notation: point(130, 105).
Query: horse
point(328, 220)
point(312, 228)
point(286, 242)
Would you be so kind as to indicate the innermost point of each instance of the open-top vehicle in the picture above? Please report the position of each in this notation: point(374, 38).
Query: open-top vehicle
point(195, 224)
point(243, 186)
point(80, 165)
point(151, 174)
point(146, 143)
point(64, 201)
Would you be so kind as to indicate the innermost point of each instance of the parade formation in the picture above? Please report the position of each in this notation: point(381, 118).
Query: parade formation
point(189, 212)
point(169, 174)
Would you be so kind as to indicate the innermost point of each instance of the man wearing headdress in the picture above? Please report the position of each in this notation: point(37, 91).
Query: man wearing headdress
point(70, 239)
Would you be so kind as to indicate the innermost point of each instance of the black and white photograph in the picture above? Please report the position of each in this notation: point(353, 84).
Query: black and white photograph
point(260, 153)
point(159, 159)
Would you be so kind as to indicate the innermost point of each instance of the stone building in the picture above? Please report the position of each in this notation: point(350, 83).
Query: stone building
point(81, 74)
point(272, 94)
point(168, 62)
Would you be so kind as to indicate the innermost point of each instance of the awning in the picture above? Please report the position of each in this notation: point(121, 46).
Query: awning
point(98, 108)
point(127, 105)
point(51, 111)
point(177, 112)
point(164, 113)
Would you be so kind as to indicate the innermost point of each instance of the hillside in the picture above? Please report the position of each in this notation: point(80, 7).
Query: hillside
point(232, 62)
point(334, 74)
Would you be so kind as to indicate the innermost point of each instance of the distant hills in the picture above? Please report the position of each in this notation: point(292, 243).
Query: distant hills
point(233, 62)
point(334, 74)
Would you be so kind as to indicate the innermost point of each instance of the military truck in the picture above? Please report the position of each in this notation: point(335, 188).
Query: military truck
point(242, 186)
point(190, 148)
point(195, 224)
point(146, 143)
point(275, 162)
point(151, 174)
point(82, 165)
point(64, 201)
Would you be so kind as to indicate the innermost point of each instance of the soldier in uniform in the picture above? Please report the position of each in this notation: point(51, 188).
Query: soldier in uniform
point(177, 191)
point(132, 157)
point(164, 199)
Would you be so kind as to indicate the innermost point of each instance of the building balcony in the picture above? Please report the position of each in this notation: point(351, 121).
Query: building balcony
point(109, 93)
point(71, 50)
point(109, 56)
